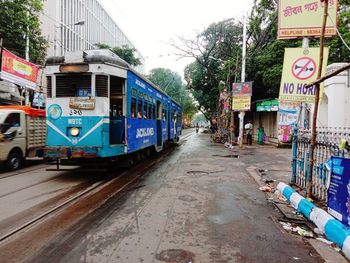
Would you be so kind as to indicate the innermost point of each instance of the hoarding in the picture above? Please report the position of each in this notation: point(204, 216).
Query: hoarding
point(299, 69)
point(267, 105)
point(18, 70)
point(288, 114)
point(303, 18)
point(339, 189)
point(242, 88)
point(241, 103)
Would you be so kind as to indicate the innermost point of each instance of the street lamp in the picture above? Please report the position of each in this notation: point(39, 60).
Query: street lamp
point(78, 23)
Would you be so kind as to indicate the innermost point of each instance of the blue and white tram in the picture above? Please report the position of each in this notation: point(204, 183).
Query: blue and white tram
point(99, 107)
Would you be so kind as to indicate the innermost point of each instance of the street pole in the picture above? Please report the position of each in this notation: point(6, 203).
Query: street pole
point(305, 45)
point(317, 98)
point(242, 113)
point(27, 58)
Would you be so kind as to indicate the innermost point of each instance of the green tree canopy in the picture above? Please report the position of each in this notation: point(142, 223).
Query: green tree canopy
point(217, 53)
point(20, 18)
point(171, 83)
point(124, 52)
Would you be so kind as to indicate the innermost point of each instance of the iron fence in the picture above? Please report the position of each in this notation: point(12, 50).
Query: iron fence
point(327, 144)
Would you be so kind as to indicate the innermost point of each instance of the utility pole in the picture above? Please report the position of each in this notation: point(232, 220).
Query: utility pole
point(27, 58)
point(317, 98)
point(302, 114)
point(242, 113)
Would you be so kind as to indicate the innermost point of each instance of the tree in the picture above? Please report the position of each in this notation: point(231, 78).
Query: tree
point(20, 18)
point(124, 52)
point(265, 53)
point(171, 83)
point(215, 52)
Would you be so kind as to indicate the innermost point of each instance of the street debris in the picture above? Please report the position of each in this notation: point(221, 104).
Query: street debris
point(302, 232)
point(176, 255)
point(266, 188)
point(277, 196)
point(324, 240)
point(336, 248)
point(318, 231)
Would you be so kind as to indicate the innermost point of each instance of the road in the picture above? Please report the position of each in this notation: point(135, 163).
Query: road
point(199, 205)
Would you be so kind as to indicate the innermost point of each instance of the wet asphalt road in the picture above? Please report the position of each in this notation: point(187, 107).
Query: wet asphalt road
point(197, 206)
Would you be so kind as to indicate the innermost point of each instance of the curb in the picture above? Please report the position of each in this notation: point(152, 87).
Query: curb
point(332, 228)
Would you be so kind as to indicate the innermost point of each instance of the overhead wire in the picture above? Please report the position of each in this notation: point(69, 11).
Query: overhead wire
point(340, 36)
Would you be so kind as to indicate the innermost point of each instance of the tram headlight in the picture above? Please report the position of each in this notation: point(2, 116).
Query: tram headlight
point(74, 131)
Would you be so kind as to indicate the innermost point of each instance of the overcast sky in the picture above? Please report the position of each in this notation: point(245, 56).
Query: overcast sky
point(151, 24)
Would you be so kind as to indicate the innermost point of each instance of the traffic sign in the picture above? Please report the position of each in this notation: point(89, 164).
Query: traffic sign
point(304, 68)
point(299, 68)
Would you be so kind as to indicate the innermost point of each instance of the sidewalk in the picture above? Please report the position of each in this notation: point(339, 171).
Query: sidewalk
point(275, 167)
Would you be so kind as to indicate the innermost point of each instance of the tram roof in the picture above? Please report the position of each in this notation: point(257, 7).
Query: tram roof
point(105, 56)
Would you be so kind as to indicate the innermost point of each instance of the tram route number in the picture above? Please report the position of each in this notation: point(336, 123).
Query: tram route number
point(75, 112)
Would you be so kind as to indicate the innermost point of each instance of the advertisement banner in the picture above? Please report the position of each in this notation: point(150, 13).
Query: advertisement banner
point(267, 105)
point(241, 103)
point(18, 70)
point(300, 67)
point(288, 114)
point(339, 189)
point(303, 18)
point(242, 88)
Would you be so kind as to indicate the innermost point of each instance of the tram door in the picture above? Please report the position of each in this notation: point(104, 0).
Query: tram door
point(159, 123)
point(117, 110)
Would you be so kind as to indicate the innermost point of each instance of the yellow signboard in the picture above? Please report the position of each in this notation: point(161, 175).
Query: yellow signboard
point(300, 67)
point(241, 103)
point(303, 18)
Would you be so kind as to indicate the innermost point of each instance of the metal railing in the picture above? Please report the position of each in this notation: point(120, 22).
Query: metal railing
point(327, 144)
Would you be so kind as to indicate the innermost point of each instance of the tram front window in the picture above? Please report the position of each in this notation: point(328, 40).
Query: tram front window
point(73, 85)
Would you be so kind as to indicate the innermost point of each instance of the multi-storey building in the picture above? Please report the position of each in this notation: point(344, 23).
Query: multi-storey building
point(73, 25)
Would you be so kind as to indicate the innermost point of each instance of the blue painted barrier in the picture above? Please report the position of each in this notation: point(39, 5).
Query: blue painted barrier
point(334, 230)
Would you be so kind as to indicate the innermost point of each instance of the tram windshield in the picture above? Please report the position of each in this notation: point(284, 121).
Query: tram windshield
point(73, 85)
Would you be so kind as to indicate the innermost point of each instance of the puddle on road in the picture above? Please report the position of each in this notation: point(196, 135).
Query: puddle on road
point(176, 256)
point(226, 156)
point(187, 198)
point(248, 153)
point(198, 172)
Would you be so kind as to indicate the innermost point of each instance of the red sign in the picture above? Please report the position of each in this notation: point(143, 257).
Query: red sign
point(242, 89)
point(18, 70)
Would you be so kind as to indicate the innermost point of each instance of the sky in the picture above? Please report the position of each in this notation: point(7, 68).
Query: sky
point(151, 24)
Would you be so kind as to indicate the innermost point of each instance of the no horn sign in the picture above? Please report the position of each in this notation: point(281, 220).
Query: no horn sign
point(299, 68)
point(304, 68)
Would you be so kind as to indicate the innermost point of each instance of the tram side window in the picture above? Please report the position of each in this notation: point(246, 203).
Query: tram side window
point(145, 111)
point(159, 110)
point(150, 111)
point(139, 109)
point(133, 108)
point(173, 115)
point(164, 115)
point(179, 118)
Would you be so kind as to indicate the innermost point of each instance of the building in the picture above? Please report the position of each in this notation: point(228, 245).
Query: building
point(73, 25)
point(334, 109)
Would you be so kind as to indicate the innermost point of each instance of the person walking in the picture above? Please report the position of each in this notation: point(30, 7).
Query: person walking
point(197, 128)
point(249, 129)
point(261, 134)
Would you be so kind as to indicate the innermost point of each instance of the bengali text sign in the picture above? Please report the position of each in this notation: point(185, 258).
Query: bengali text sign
point(303, 18)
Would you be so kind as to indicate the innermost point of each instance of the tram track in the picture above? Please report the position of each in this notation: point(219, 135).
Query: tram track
point(45, 226)
point(94, 186)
